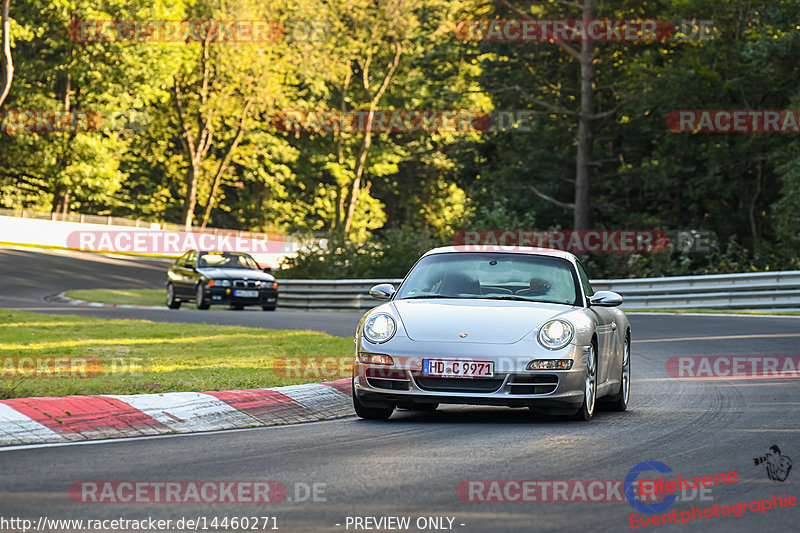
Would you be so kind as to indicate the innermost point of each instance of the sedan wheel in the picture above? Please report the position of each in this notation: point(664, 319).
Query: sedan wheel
point(172, 302)
point(589, 388)
point(200, 298)
point(619, 402)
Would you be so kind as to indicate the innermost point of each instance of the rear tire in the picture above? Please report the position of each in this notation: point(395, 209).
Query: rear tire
point(586, 410)
point(370, 413)
point(172, 302)
point(200, 298)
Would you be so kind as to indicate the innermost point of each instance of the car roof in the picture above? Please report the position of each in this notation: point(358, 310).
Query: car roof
point(527, 250)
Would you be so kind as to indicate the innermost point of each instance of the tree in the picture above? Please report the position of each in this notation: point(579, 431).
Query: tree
point(7, 65)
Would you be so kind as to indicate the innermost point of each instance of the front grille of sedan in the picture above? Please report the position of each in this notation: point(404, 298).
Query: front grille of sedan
point(537, 384)
point(243, 284)
point(459, 384)
point(381, 378)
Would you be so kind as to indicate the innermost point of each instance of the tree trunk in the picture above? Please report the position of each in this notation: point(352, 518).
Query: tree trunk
point(7, 66)
point(582, 214)
point(225, 162)
point(195, 148)
point(190, 202)
point(362, 158)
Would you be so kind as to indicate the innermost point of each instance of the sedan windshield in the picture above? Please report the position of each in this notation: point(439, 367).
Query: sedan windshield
point(499, 276)
point(226, 260)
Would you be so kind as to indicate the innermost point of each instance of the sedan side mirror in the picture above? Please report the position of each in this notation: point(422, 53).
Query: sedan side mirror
point(606, 299)
point(384, 291)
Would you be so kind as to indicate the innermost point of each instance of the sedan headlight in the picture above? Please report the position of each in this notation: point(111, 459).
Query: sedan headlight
point(379, 328)
point(555, 334)
point(223, 282)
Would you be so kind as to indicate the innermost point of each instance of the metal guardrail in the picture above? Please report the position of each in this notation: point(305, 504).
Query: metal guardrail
point(758, 290)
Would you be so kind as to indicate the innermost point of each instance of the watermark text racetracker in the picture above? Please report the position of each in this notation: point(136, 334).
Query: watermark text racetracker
point(165, 242)
point(176, 31)
point(21, 121)
point(734, 121)
point(576, 30)
point(728, 367)
point(195, 491)
point(404, 120)
point(586, 241)
point(25, 366)
point(563, 490)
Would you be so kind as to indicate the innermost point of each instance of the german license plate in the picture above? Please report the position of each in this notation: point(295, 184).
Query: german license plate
point(245, 294)
point(460, 368)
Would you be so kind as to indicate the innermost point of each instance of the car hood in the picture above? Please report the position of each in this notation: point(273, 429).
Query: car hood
point(484, 321)
point(235, 273)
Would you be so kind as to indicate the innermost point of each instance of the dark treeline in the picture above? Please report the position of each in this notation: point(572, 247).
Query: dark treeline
point(193, 128)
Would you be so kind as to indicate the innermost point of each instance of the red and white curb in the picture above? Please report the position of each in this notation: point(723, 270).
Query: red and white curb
point(76, 418)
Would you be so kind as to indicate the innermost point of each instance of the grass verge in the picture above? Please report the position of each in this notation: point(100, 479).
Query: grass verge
point(149, 297)
point(53, 355)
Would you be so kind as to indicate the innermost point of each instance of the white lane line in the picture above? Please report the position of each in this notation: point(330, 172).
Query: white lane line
point(188, 411)
point(721, 337)
point(16, 428)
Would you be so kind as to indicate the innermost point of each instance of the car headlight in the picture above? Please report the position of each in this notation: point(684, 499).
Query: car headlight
point(555, 334)
point(224, 282)
point(379, 328)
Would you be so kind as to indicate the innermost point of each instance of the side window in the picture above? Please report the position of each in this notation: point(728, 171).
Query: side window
point(182, 259)
point(587, 287)
point(192, 258)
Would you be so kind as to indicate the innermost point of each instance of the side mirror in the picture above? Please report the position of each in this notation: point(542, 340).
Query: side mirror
point(606, 299)
point(384, 291)
point(267, 270)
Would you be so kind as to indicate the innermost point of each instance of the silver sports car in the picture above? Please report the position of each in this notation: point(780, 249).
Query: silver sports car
point(521, 328)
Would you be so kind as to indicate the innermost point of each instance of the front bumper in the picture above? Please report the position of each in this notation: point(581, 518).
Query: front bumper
point(512, 384)
point(226, 296)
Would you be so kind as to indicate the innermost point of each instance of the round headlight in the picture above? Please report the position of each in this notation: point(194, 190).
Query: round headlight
point(379, 328)
point(225, 283)
point(555, 334)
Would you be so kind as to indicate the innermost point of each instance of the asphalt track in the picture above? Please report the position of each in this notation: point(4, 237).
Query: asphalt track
point(411, 465)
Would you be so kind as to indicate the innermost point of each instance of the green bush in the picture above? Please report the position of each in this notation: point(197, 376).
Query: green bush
point(389, 254)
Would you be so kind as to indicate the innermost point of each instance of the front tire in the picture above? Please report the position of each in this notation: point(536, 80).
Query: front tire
point(619, 402)
point(172, 302)
point(370, 413)
point(200, 298)
point(586, 410)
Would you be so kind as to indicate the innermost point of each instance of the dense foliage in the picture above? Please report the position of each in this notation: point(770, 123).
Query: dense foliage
point(203, 147)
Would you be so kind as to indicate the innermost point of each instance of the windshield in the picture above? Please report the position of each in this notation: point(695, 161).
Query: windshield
point(226, 260)
point(500, 276)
